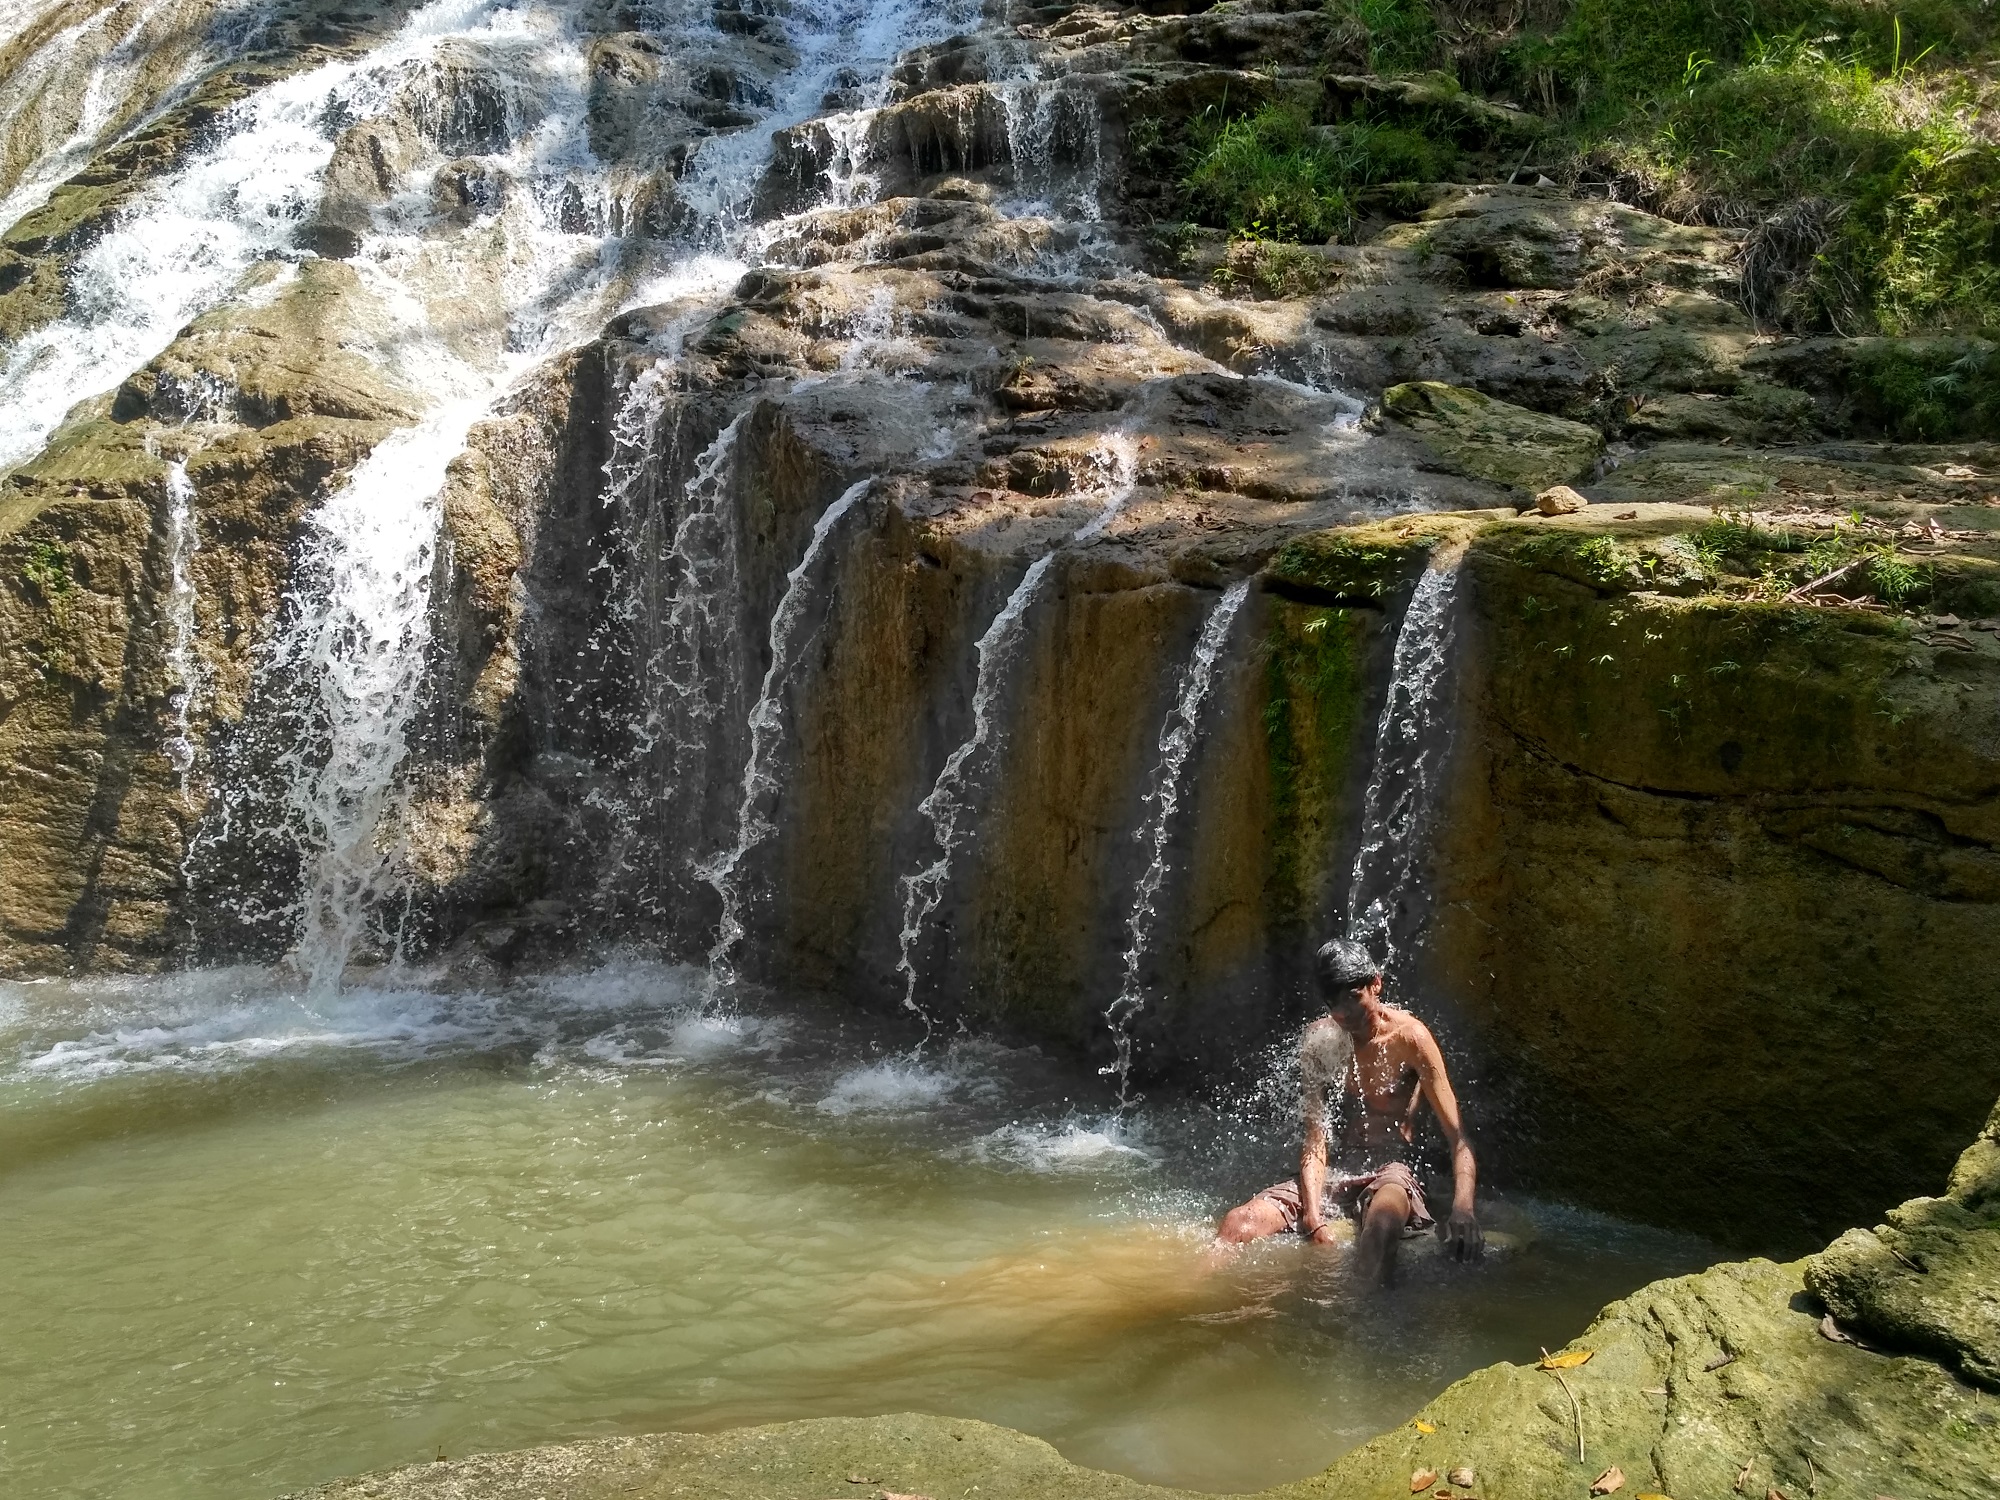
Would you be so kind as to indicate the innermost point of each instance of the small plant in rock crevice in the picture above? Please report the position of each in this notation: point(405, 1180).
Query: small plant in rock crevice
point(46, 570)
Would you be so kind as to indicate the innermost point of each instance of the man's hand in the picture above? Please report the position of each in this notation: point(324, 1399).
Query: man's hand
point(1462, 1237)
point(1322, 1235)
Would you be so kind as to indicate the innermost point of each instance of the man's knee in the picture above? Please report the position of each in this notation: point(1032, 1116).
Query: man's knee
point(1389, 1207)
point(1249, 1221)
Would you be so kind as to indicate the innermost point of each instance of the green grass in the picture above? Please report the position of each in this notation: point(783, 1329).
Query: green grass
point(1402, 34)
point(1844, 133)
point(1272, 174)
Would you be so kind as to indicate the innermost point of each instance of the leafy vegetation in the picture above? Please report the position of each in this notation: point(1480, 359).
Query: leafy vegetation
point(46, 571)
point(1927, 393)
point(1852, 137)
point(1274, 175)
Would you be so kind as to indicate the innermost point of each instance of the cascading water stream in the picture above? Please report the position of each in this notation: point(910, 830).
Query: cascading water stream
point(183, 663)
point(766, 726)
point(362, 625)
point(352, 655)
point(98, 77)
point(1177, 739)
point(1412, 741)
point(948, 803)
point(1039, 113)
point(188, 241)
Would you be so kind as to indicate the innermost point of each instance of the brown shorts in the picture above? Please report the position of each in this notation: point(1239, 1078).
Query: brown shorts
point(1351, 1195)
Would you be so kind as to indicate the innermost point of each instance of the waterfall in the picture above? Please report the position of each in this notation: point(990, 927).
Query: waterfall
point(701, 564)
point(188, 240)
point(1038, 114)
point(766, 724)
point(849, 182)
point(1177, 737)
point(90, 80)
point(1386, 900)
point(362, 599)
point(183, 665)
point(946, 805)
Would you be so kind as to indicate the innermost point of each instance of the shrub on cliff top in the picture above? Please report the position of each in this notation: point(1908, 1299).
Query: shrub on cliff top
point(1860, 111)
point(1274, 175)
point(1270, 170)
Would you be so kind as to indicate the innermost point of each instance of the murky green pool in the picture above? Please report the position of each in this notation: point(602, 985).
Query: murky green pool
point(248, 1248)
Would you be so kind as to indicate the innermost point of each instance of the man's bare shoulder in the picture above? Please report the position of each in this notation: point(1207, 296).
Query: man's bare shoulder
point(1405, 1030)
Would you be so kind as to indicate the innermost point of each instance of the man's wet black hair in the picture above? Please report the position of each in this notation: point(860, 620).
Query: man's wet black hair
point(1343, 965)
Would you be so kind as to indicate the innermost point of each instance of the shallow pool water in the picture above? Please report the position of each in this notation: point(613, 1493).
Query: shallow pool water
point(249, 1247)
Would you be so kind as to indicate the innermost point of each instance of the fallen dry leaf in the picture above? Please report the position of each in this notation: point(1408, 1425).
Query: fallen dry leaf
point(1610, 1482)
point(1422, 1480)
point(1651, 1495)
point(1774, 1493)
point(1463, 1477)
point(1569, 1359)
point(892, 1495)
point(1832, 1331)
point(1626, 515)
point(1423, 1426)
point(1717, 1363)
point(859, 1479)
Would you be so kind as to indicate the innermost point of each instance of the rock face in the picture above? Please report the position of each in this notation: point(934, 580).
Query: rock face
point(1924, 1282)
point(1494, 440)
point(1678, 813)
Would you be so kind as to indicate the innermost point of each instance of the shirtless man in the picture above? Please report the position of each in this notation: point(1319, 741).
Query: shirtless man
point(1389, 1058)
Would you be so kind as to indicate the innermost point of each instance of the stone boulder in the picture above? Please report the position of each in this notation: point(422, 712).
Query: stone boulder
point(1928, 1281)
point(1474, 434)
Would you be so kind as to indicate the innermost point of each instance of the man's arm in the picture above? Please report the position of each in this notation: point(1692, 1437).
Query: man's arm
point(1312, 1149)
point(1462, 1228)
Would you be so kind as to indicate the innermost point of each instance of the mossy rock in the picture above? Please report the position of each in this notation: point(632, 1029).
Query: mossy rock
point(1928, 1281)
point(1473, 434)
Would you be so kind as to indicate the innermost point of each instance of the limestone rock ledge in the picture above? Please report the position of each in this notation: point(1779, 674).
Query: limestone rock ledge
point(1731, 1382)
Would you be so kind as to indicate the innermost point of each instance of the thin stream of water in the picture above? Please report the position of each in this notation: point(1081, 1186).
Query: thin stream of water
point(183, 662)
point(766, 725)
point(1176, 743)
point(947, 806)
point(1412, 741)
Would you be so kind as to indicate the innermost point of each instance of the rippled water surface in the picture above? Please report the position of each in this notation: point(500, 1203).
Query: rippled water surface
point(249, 1247)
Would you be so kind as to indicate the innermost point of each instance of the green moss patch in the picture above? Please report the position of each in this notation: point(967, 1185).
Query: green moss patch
point(1314, 683)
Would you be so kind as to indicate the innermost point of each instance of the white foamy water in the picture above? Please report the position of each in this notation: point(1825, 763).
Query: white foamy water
point(946, 807)
point(187, 240)
point(1177, 739)
point(1412, 740)
point(767, 721)
point(1071, 1146)
point(222, 1020)
point(1043, 116)
point(892, 1087)
point(183, 665)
